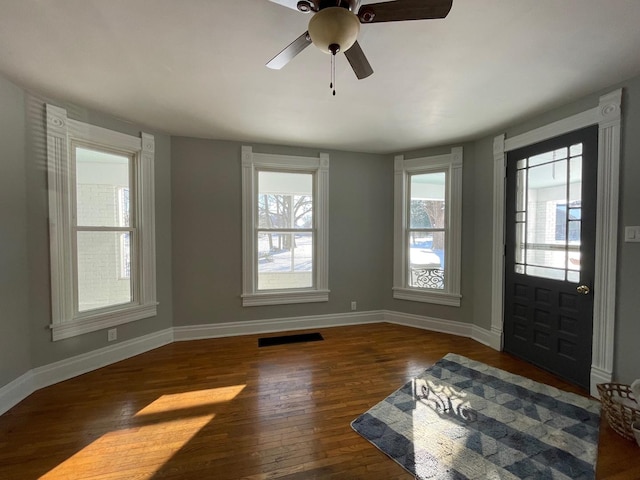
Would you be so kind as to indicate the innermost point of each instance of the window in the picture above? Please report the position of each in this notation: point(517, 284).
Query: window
point(285, 228)
point(427, 228)
point(102, 237)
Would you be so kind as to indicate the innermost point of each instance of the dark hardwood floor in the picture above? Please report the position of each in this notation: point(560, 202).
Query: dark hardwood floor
point(226, 409)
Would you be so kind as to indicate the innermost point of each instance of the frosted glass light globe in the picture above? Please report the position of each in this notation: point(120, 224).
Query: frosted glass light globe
point(334, 25)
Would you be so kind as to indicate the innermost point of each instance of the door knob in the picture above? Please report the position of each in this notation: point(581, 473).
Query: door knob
point(583, 289)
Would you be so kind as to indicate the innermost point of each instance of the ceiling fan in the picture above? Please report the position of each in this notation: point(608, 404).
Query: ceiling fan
point(335, 25)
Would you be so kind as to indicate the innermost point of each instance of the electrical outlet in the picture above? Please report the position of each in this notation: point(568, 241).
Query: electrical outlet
point(354, 306)
point(112, 334)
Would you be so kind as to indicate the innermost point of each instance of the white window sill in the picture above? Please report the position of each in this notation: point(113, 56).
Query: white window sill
point(100, 321)
point(283, 298)
point(439, 298)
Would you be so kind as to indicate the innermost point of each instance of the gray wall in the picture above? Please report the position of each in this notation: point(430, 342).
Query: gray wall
point(15, 357)
point(207, 232)
point(206, 185)
point(627, 360)
point(44, 351)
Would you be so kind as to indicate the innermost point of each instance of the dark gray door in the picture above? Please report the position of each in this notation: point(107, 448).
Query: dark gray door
point(550, 253)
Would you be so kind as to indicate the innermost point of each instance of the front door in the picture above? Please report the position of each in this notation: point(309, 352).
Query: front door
point(550, 253)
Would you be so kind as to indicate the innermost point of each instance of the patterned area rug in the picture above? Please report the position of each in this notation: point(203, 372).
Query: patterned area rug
point(463, 419)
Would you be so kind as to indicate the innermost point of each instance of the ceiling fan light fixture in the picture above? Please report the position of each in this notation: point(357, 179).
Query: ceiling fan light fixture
point(334, 26)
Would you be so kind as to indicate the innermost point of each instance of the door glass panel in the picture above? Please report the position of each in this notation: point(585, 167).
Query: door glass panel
point(546, 157)
point(575, 179)
point(548, 214)
point(520, 229)
point(521, 188)
point(575, 150)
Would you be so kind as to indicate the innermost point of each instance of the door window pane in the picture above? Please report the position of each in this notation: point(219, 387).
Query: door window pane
point(548, 214)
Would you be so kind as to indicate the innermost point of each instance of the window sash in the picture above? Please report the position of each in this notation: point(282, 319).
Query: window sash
point(131, 229)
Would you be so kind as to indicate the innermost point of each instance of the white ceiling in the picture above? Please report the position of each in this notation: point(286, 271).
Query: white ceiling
point(196, 67)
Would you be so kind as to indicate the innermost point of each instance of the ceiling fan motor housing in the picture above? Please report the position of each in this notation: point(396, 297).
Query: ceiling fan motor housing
point(334, 26)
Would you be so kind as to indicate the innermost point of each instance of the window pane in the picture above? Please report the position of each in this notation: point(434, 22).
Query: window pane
point(285, 200)
point(544, 272)
point(575, 149)
point(575, 179)
point(551, 156)
point(427, 206)
point(102, 188)
point(285, 260)
point(426, 260)
point(101, 258)
point(520, 234)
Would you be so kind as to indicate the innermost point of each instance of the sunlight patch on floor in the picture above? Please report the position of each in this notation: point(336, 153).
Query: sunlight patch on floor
point(187, 400)
point(148, 440)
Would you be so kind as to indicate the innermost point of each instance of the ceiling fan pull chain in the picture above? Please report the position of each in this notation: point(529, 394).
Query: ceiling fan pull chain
point(333, 73)
point(333, 48)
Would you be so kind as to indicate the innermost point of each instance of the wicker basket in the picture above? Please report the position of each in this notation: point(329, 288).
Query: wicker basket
point(619, 415)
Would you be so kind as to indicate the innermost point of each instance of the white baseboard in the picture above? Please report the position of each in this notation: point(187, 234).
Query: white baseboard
point(16, 391)
point(252, 327)
point(460, 329)
point(487, 337)
point(40, 377)
point(598, 376)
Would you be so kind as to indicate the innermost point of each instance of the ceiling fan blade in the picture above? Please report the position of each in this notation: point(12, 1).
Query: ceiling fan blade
point(358, 61)
point(293, 49)
point(400, 10)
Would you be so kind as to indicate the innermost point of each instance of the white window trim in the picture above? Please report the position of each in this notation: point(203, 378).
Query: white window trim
point(61, 131)
point(251, 162)
point(452, 163)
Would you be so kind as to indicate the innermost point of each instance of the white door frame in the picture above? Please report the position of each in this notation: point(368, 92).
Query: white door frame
point(607, 115)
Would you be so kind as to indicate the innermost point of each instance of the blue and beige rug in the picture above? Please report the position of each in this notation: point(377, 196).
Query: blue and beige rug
point(462, 419)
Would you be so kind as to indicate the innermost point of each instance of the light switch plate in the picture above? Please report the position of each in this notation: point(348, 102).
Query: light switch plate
point(632, 234)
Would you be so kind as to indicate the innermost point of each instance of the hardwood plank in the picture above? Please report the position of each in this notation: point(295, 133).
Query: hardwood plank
point(225, 409)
